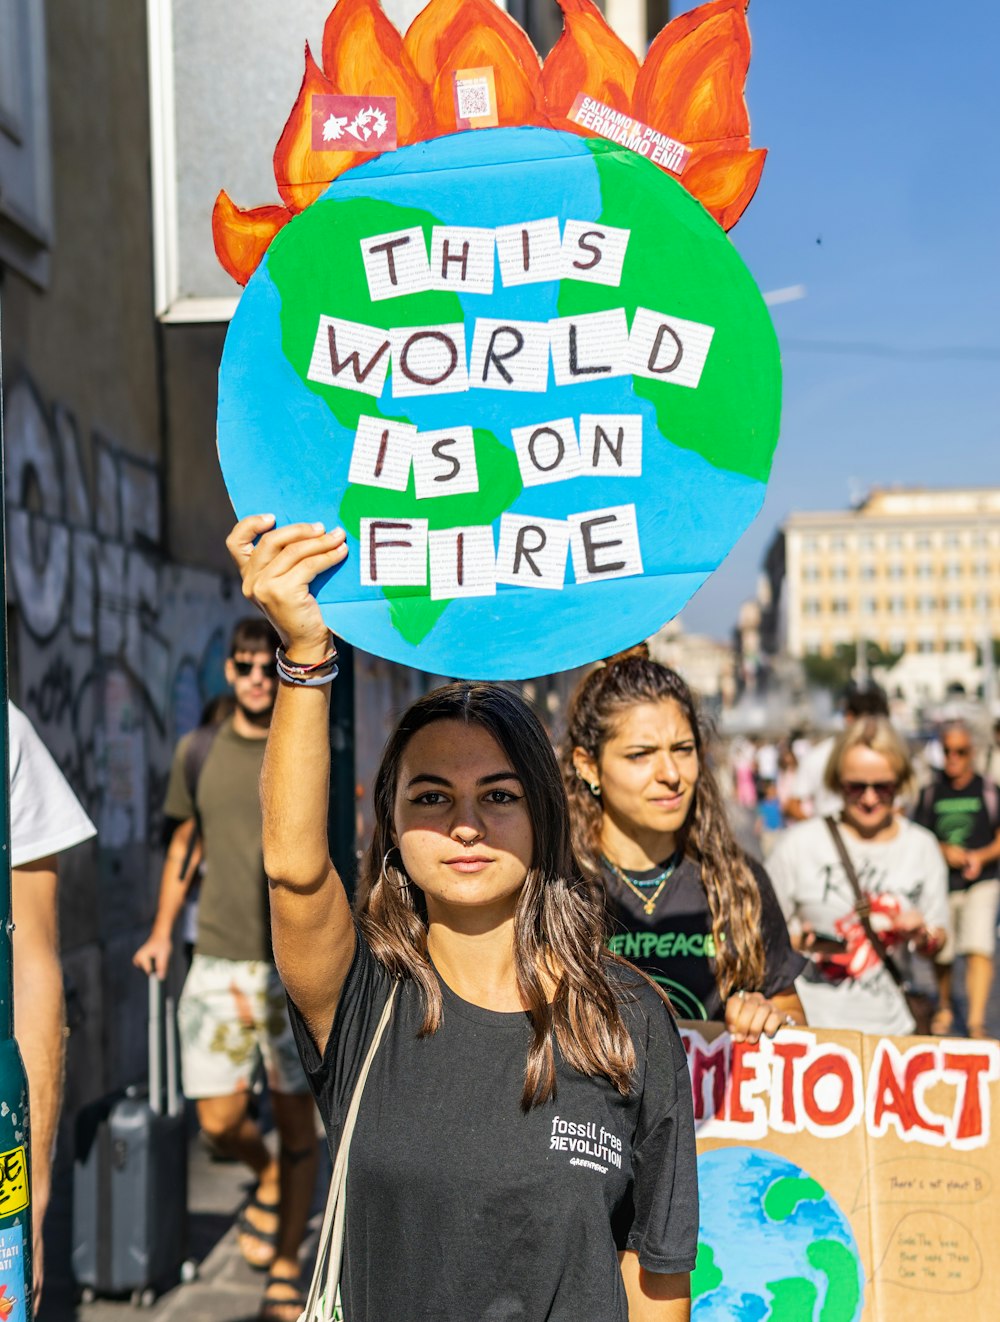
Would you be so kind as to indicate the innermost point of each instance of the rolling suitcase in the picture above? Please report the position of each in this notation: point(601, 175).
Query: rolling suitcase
point(130, 1177)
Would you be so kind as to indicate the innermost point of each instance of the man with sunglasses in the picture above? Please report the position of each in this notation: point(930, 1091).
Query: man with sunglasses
point(960, 807)
point(232, 1013)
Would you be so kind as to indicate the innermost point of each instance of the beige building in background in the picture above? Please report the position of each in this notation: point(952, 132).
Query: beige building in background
point(913, 570)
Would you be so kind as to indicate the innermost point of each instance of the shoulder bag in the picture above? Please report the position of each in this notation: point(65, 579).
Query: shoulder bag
point(919, 1004)
point(323, 1300)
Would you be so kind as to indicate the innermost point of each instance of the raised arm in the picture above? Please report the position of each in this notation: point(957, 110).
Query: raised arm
point(311, 927)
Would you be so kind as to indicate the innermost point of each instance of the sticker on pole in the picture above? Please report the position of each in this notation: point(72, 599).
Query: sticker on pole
point(14, 1193)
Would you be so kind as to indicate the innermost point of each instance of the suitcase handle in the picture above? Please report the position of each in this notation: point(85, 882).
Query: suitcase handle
point(162, 1020)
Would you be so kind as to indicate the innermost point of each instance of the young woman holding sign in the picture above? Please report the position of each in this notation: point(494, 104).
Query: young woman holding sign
point(684, 902)
point(525, 1142)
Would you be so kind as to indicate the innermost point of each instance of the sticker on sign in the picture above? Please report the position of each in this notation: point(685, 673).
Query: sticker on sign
point(617, 126)
point(354, 123)
point(475, 98)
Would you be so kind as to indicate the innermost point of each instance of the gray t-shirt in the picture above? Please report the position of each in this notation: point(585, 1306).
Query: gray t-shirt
point(854, 990)
point(461, 1207)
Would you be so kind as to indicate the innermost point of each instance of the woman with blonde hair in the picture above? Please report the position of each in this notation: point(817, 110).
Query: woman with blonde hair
point(524, 1145)
point(684, 901)
point(863, 891)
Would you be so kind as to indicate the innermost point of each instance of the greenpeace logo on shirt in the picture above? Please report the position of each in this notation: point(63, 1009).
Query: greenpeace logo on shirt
point(591, 1144)
point(663, 945)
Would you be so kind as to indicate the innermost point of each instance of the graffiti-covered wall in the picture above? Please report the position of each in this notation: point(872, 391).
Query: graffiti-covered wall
point(114, 651)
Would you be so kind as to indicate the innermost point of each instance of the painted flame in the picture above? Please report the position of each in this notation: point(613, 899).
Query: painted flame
point(364, 55)
point(690, 87)
point(300, 173)
point(588, 58)
point(446, 36)
point(243, 237)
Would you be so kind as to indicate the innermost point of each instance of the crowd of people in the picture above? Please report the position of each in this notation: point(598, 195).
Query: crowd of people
point(528, 927)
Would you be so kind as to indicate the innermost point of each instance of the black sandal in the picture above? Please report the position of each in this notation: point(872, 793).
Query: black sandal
point(245, 1228)
point(289, 1306)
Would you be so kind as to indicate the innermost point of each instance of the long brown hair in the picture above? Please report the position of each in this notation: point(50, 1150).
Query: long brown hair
point(559, 918)
point(599, 702)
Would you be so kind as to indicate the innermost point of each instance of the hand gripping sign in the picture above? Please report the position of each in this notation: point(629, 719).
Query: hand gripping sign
point(529, 375)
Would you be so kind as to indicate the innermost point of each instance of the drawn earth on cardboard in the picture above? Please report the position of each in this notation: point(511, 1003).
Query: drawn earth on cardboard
point(522, 366)
point(844, 1177)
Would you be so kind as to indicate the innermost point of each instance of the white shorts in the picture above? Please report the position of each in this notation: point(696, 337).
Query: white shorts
point(973, 921)
point(232, 1014)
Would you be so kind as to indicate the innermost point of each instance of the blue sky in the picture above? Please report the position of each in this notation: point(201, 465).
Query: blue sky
point(880, 194)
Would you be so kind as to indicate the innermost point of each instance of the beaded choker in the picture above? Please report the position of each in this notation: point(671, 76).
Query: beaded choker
point(641, 889)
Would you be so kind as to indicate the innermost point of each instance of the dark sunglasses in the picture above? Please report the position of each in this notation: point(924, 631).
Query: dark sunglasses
point(269, 669)
point(964, 751)
point(854, 790)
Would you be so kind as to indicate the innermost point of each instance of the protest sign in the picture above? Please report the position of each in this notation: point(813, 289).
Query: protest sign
point(844, 1176)
point(523, 368)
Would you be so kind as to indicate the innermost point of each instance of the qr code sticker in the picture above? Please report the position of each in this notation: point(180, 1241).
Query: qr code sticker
point(473, 98)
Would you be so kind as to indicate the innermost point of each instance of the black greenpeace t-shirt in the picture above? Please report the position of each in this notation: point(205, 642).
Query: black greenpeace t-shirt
point(675, 945)
point(960, 817)
point(460, 1207)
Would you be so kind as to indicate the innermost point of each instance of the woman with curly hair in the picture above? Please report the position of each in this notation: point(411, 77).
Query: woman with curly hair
point(684, 902)
point(525, 1140)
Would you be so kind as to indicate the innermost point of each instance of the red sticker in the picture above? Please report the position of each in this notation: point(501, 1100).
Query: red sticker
point(354, 123)
point(617, 126)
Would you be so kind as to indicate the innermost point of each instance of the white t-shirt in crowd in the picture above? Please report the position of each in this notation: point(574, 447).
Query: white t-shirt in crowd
point(906, 872)
point(809, 787)
point(45, 815)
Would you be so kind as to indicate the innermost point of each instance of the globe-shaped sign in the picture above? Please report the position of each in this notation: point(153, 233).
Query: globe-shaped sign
point(772, 1244)
point(528, 374)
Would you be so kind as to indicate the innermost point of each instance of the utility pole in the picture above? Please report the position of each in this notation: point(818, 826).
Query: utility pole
point(15, 1129)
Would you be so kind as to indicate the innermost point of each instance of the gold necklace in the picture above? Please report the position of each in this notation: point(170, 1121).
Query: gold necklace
point(648, 901)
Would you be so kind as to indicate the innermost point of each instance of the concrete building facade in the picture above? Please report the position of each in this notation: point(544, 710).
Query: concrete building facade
point(914, 571)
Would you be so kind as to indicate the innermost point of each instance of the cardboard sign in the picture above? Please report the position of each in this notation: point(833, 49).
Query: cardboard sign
point(845, 1176)
point(531, 378)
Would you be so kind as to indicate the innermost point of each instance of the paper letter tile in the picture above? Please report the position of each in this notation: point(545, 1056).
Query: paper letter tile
point(444, 462)
point(532, 552)
point(530, 253)
point(463, 563)
point(594, 252)
point(462, 259)
point(547, 452)
point(589, 347)
point(605, 544)
point(509, 355)
point(611, 444)
point(381, 455)
point(351, 355)
point(676, 348)
point(393, 553)
point(429, 360)
point(396, 263)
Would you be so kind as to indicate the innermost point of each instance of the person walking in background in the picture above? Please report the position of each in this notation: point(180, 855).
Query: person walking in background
point(961, 809)
point(232, 1012)
point(862, 890)
point(650, 830)
point(812, 795)
point(45, 821)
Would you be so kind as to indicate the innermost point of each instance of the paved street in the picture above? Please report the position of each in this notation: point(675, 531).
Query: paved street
point(225, 1290)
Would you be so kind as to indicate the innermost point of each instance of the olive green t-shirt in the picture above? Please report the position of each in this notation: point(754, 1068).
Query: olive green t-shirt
point(232, 911)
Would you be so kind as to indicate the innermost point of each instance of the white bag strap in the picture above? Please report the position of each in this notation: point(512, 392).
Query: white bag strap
point(322, 1299)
